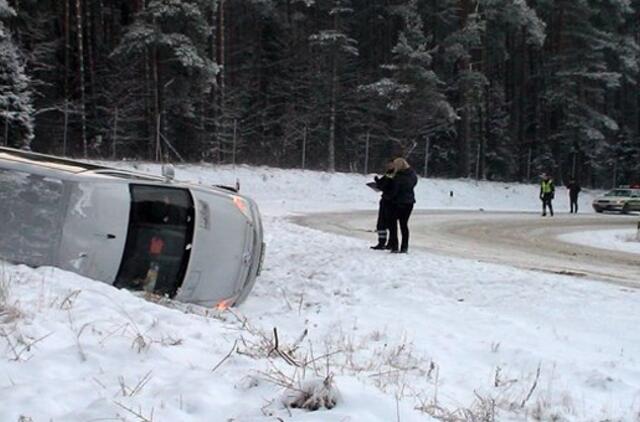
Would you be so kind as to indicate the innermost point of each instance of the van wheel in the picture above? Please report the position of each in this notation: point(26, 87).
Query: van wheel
point(598, 210)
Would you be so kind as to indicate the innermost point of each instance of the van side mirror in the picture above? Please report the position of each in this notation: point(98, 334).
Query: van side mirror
point(168, 172)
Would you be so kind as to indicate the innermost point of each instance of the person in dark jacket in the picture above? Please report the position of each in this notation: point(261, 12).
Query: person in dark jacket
point(547, 192)
point(574, 190)
point(403, 198)
point(385, 214)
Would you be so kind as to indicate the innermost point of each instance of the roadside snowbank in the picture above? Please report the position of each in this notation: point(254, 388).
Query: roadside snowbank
point(281, 192)
point(617, 240)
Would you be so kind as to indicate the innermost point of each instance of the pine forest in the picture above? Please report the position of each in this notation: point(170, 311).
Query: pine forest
point(483, 89)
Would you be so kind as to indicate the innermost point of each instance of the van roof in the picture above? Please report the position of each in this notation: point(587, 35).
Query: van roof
point(73, 168)
point(48, 161)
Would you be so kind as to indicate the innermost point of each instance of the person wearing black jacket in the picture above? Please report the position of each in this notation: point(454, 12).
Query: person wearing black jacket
point(385, 210)
point(574, 190)
point(403, 198)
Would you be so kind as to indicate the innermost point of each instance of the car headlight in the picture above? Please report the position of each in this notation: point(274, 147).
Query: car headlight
point(243, 206)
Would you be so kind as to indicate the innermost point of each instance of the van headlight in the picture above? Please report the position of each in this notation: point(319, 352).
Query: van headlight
point(243, 206)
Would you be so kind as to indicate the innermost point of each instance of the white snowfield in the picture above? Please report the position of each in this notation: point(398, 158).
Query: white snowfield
point(362, 335)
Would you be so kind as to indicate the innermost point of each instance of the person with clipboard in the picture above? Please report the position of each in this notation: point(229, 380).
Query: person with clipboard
point(384, 184)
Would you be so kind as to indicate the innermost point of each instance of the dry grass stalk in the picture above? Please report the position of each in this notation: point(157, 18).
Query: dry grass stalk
point(532, 389)
point(67, 302)
point(8, 312)
point(21, 345)
point(136, 413)
point(233, 349)
point(130, 392)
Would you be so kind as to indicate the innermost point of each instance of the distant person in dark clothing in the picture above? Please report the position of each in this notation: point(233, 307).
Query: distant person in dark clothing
point(385, 209)
point(405, 180)
point(574, 190)
point(547, 193)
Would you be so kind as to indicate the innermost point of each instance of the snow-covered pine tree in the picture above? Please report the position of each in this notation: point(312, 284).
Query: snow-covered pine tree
point(170, 38)
point(620, 21)
point(335, 49)
point(16, 108)
point(579, 75)
point(413, 93)
point(512, 34)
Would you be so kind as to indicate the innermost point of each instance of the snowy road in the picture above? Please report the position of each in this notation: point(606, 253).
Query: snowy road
point(524, 240)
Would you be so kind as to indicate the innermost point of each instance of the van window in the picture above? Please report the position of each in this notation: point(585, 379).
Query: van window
point(32, 209)
point(159, 239)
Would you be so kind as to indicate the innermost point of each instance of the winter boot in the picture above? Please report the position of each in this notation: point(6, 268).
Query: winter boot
point(382, 240)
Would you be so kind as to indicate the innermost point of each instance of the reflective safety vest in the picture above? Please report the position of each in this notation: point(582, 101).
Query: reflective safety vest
point(547, 186)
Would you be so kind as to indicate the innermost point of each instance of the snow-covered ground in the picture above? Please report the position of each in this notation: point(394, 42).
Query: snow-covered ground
point(408, 338)
point(618, 240)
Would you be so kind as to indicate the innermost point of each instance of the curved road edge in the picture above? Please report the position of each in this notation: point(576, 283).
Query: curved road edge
point(520, 239)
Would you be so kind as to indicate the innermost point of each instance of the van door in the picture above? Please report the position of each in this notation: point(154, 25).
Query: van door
point(95, 229)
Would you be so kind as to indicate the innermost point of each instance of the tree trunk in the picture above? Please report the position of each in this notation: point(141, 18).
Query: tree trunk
point(90, 26)
point(366, 152)
point(304, 147)
point(331, 167)
point(464, 162)
point(67, 48)
point(427, 145)
point(156, 102)
point(83, 116)
point(221, 76)
point(115, 134)
point(150, 112)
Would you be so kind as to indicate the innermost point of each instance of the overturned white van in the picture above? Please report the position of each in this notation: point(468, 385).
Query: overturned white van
point(195, 243)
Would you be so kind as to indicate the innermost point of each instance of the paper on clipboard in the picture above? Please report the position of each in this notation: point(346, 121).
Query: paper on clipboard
point(374, 186)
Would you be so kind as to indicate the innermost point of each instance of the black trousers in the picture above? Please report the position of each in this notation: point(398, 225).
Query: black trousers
point(385, 216)
point(573, 201)
point(546, 202)
point(401, 214)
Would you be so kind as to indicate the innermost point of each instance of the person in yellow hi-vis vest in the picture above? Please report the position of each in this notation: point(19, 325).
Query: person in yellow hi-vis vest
point(547, 192)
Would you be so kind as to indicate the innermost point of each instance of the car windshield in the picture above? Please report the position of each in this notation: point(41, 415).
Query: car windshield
point(32, 209)
point(159, 239)
point(619, 192)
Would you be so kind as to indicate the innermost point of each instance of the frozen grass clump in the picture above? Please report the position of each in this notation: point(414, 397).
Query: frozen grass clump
point(8, 311)
point(312, 394)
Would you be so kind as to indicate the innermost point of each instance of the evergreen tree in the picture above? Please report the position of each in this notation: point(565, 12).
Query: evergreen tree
point(335, 49)
point(413, 93)
point(499, 89)
point(16, 108)
point(578, 76)
point(169, 37)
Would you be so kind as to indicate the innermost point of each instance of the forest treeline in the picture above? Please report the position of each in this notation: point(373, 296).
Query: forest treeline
point(488, 89)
